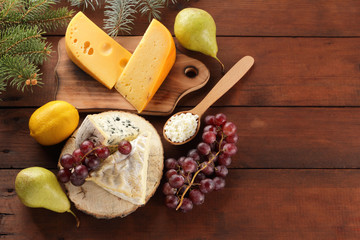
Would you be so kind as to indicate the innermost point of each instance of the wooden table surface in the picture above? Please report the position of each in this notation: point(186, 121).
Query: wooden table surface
point(296, 174)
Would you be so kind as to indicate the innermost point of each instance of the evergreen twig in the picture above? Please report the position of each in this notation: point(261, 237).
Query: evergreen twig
point(22, 45)
point(120, 15)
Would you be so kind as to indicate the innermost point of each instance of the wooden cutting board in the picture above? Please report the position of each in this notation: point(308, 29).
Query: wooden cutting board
point(85, 93)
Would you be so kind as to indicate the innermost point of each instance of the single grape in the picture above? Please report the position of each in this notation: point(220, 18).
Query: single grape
point(168, 190)
point(63, 175)
point(221, 171)
point(181, 160)
point(224, 159)
point(176, 181)
point(92, 163)
point(203, 148)
point(210, 128)
point(171, 163)
point(189, 165)
point(209, 137)
point(219, 119)
point(81, 171)
point(170, 172)
point(200, 176)
point(229, 128)
point(197, 197)
point(232, 138)
point(208, 170)
point(193, 153)
point(124, 147)
point(219, 183)
point(78, 156)
point(207, 185)
point(230, 149)
point(76, 181)
point(171, 201)
point(186, 205)
point(102, 152)
point(86, 146)
point(209, 120)
point(67, 161)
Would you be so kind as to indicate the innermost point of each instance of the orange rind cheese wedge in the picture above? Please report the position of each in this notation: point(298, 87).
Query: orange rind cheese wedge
point(148, 66)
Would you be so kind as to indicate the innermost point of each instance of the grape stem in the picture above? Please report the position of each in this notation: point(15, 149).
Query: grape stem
point(196, 173)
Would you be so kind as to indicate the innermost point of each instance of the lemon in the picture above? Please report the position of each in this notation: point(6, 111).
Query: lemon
point(53, 122)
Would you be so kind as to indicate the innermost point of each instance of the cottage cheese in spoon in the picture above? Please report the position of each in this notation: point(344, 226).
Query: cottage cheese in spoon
point(181, 127)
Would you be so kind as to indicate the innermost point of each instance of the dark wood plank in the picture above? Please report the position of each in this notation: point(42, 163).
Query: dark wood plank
point(287, 72)
point(263, 18)
point(268, 138)
point(255, 204)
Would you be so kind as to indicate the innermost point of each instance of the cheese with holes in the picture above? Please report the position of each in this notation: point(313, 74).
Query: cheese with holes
point(91, 49)
point(148, 66)
point(106, 129)
point(125, 175)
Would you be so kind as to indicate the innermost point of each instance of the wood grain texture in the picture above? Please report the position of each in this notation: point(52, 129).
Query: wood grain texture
point(287, 72)
point(268, 138)
point(255, 204)
point(262, 17)
point(85, 93)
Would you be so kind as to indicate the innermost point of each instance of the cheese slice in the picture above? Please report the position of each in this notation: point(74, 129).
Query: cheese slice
point(125, 175)
point(91, 49)
point(106, 129)
point(148, 66)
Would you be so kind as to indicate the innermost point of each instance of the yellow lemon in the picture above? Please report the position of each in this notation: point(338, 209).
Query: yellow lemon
point(53, 122)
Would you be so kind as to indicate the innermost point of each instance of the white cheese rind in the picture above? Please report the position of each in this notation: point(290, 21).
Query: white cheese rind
point(125, 175)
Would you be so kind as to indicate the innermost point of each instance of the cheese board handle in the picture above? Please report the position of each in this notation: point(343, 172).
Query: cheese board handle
point(224, 84)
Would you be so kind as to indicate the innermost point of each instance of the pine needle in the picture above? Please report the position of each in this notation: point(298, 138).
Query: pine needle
point(18, 72)
point(120, 16)
point(151, 8)
point(87, 3)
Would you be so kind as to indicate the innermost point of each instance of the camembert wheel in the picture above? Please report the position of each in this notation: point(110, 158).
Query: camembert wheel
point(98, 201)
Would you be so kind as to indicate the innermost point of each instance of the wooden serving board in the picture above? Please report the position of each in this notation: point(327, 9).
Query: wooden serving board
point(85, 93)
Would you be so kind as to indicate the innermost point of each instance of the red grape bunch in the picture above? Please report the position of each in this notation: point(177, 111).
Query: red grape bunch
point(204, 169)
point(78, 165)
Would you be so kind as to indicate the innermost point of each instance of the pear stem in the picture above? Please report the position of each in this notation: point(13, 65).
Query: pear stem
point(76, 218)
point(222, 66)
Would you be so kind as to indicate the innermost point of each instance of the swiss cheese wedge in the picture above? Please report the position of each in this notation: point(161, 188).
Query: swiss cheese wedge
point(96, 53)
point(148, 66)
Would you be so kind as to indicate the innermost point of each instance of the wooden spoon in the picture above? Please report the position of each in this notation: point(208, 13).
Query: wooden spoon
point(224, 85)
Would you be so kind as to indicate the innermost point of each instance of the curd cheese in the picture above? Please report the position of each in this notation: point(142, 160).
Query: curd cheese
point(181, 127)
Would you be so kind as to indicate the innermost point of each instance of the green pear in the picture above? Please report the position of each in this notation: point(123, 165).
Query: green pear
point(37, 187)
point(195, 30)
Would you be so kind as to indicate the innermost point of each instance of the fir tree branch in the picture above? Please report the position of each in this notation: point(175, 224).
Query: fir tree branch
point(18, 72)
point(150, 7)
point(52, 19)
point(41, 6)
point(19, 42)
point(86, 3)
point(36, 12)
point(120, 16)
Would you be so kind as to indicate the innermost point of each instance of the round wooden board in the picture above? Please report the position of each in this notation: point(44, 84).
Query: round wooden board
point(85, 93)
point(94, 200)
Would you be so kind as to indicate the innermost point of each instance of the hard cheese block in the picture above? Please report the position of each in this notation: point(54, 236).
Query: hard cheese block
point(91, 49)
point(148, 66)
point(125, 175)
point(106, 129)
